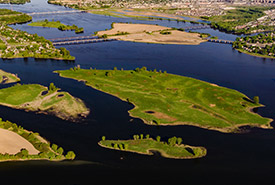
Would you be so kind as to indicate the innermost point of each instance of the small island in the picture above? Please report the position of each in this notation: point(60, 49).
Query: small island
point(40, 99)
point(161, 98)
point(17, 144)
point(144, 144)
point(150, 34)
point(6, 77)
point(58, 25)
point(261, 45)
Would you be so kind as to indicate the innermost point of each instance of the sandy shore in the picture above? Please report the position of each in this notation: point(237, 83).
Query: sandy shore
point(12, 143)
point(151, 34)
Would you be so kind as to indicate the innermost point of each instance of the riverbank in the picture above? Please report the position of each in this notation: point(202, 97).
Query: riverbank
point(166, 99)
point(150, 34)
point(40, 99)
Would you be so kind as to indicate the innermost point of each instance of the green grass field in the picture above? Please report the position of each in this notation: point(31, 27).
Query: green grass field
point(145, 146)
point(30, 97)
point(167, 99)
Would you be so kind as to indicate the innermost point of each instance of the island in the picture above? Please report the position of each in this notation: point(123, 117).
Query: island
point(144, 144)
point(20, 44)
point(150, 34)
point(46, 100)
point(16, 144)
point(261, 45)
point(161, 98)
point(6, 77)
point(58, 25)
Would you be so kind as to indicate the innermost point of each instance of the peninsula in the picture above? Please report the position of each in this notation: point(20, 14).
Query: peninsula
point(146, 145)
point(166, 99)
point(40, 99)
point(16, 143)
point(6, 77)
point(150, 34)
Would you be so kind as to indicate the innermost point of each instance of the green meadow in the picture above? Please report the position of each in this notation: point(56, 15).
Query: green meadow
point(167, 99)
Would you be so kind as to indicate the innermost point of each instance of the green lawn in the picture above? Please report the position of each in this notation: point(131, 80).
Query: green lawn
point(167, 99)
point(29, 97)
point(145, 146)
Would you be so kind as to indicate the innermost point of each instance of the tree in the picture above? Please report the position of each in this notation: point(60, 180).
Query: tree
point(52, 87)
point(54, 147)
point(256, 99)
point(70, 155)
point(103, 138)
point(179, 140)
point(60, 150)
point(158, 138)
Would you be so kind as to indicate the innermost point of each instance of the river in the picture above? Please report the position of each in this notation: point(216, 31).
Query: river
point(244, 158)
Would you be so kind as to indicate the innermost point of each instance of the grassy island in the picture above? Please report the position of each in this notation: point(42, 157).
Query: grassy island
point(20, 44)
point(166, 99)
point(38, 98)
point(19, 144)
point(150, 34)
point(57, 24)
point(146, 145)
point(6, 77)
point(261, 45)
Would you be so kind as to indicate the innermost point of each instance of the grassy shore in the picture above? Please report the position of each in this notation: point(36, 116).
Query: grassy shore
point(6, 77)
point(34, 97)
point(148, 145)
point(166, 99)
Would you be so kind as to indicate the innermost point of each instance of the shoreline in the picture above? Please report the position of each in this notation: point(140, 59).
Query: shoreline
point(254, 54)
point(232, 129)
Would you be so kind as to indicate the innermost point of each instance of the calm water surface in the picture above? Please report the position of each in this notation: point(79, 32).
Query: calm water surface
point(247, 158)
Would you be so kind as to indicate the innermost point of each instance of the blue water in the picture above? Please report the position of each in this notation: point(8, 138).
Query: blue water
point(246, 158)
